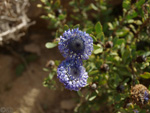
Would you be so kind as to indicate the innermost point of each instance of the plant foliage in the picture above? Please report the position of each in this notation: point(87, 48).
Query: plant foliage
point(121, 54)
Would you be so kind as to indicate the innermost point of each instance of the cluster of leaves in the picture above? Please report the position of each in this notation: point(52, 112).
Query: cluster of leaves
point(74, 12)
point(121, 53)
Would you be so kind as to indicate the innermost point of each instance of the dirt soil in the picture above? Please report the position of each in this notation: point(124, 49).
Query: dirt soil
point(25, 93)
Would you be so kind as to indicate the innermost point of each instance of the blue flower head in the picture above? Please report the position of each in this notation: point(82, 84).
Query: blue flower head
point(135, 111)
point(72, 74)
point(146, 97)
point(76, 44)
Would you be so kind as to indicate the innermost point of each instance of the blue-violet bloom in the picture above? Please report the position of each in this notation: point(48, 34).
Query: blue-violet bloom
point(72, 74)
point(146, 97)
point(76, 44)
point(135, 111)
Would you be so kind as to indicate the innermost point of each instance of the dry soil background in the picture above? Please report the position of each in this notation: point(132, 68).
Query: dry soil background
point(26, 94)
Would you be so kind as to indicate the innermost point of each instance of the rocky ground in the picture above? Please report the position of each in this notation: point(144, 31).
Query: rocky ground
point(25, 93)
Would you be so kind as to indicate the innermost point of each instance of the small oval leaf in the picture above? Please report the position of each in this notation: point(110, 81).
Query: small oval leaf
point(98, 27)
point(92, 98)
point(50, 45)
point(145, 75)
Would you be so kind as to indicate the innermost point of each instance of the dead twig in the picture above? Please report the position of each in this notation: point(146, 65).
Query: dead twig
point(13, 20)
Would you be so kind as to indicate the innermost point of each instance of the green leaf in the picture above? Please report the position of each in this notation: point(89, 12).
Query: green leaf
point(45, 69)
point(147, 53)
point(126, 80)
point(57, 62)
point(66, 27)
point(51, 16)
point(93, 6)
point(111, 27)
point(94, 72)
point(99, 32)
point(120, 42)
point(132, 14)
point(87, 96)
point(101, 37)
point(97, 49)
point(62, 16)
point(89, 81)
point(50, 45)
point(57, 34)
point(130, 21)
point(94, 38)
point(145, 75)
point(76, 26)
point(138, 22)
point(44, 17)
point(144, 65)
point(75, 17)
point(79, 93)
point(89, 30)
point(92, 98)
point(98, 28)
point(139, 3)
point(51, 75)
point(148, 59)
point(126, 4)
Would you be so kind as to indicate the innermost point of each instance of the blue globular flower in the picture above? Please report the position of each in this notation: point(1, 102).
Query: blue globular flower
point(135, 111)
point(76, 44)
point(146, 97)
point(72, 74)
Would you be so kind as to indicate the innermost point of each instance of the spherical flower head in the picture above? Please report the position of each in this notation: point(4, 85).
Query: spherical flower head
point(140, 94)
point(76, 44)
point(72, 74)
point(135, 111)
point(146, 97)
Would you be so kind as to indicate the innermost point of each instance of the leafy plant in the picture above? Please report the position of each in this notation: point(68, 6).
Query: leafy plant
point(121, 54)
